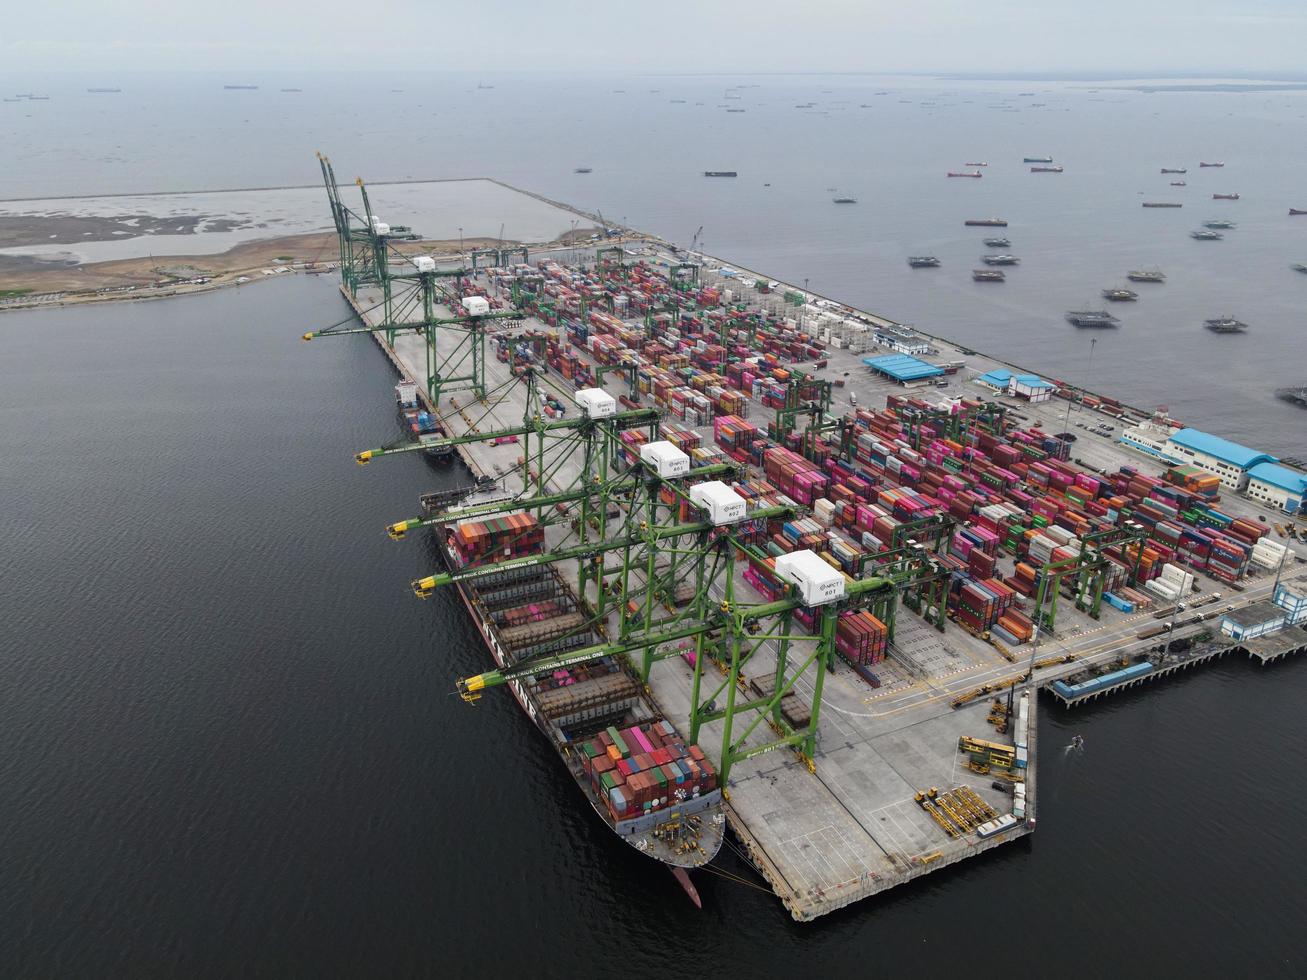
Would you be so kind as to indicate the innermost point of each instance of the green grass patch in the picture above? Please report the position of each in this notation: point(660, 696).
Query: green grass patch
point(11, 293)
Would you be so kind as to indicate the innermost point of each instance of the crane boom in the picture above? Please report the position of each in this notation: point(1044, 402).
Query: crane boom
point(417, 327)
point(636, 416)
point(423, 587)
point(400, 528)
point(470, 688)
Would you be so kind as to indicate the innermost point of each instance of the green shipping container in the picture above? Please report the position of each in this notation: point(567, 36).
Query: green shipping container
point(620, 742)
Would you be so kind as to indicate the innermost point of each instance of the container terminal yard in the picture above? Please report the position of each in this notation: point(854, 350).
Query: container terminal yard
point(753, 559)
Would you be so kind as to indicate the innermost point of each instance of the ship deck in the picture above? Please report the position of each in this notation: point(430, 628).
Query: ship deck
point(851, 829)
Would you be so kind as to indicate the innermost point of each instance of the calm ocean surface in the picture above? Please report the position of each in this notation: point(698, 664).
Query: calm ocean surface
point(230, 741)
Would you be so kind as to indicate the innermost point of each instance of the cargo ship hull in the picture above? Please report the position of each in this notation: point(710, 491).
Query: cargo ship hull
point(685, 834)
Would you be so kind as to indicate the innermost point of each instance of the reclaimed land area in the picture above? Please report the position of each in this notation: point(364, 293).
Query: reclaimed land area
point(25, 280)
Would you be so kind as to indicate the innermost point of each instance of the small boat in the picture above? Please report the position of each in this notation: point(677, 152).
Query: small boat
point(1299, 267)
point(1174, 170)
point(1045, 170)
point(845, 200)
point(1293, 211)
point(1162, 204)
point(1091, 318)
point(999, 259)
point(977, 164)
point(1296, 396)
point(997, 242)
point(988, 275)
point(1225, 197)
point(1146, 275)
point(1178, 183)
point(923, 261)
point(582, 170)
point(1218, 163)
point(965, 173)
point(986, 222)
point(1219, 223)
point(1037, 160)
point(1120, 295)
point(1206, 236)
point(1225, 324)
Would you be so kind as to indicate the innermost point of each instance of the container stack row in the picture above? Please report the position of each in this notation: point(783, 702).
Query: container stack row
point(644, 768)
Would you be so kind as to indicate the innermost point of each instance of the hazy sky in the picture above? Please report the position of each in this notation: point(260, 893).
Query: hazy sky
point(659, 35)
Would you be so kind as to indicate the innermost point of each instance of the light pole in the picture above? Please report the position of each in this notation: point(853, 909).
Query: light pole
point(1175, 610)
point(1278, 571)
point(1066, 420)
point(1093, 342)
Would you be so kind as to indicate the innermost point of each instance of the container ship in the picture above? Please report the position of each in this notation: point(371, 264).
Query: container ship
point(1046, 170)
point(1295, 396)
point(652, 788)
point(1037, 160)
point(965, 173)
point(1162, 204)
point(1225, 197)
point(720, 173)
point(986, 222)
point(1174, 170)
point(421, 425)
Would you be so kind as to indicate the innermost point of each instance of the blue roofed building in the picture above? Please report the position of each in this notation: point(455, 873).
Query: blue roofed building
point(1031, 387)
point(1028, 386)
point(1228, 460)
point(903, 368)
point(998, 379)
point(1279, 486)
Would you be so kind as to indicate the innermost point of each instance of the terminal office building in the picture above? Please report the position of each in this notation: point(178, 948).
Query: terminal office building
point(1257, 474)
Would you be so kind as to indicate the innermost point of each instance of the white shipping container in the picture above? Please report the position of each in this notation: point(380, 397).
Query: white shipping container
point(1162, 589)
point(475, 305)
point(424, 263)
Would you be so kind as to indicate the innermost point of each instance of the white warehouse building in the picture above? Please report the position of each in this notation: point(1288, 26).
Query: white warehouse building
point(1277, 485)
point(1227, 460)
